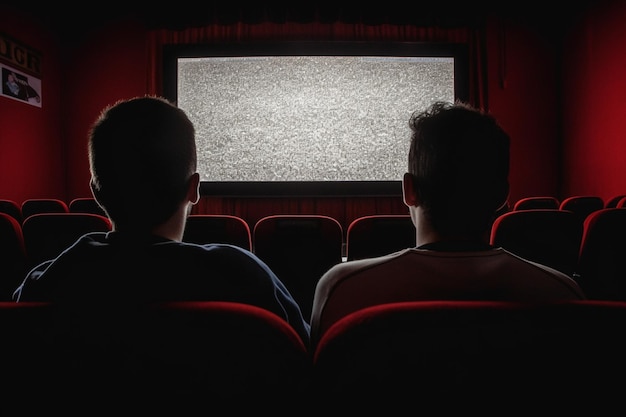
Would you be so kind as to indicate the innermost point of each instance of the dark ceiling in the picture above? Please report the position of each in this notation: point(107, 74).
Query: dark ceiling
point(185, 13)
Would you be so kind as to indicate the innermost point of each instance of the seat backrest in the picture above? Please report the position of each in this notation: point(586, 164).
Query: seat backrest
point(46, 235)
point(12, 256)
point(299, 249)
point(601, 270)
point(472, 358)
point(536, 202)
point(11, 208)
point(582, 205)
point(547, 236)
point(377, 235)
point(613, 201)
point(218, 228)
point(235, 358)
point(86, 205)
point(43, 205)
point(191, 358)
point(621, 203)
point(26, 330)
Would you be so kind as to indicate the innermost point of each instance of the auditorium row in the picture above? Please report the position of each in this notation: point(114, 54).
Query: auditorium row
point(430, 358)
point(581, 236)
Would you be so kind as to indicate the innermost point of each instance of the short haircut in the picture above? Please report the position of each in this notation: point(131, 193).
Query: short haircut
point(142, 153)
point(459, 158)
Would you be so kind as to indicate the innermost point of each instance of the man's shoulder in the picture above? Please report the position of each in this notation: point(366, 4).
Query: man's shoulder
point(377, 265)
point(223, 250)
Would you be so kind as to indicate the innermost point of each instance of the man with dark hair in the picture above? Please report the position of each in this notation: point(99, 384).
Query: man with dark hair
point(456, 184)
point(142, 156)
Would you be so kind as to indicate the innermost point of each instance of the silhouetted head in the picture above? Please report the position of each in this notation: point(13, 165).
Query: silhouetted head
point(142, 156)
point(459, 164)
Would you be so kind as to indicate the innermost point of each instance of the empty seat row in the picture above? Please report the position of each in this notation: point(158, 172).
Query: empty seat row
point(435, 358)
point(593, 251)
point(49, 205)
point(582, 204)
point(299, 248)
point(576, 203)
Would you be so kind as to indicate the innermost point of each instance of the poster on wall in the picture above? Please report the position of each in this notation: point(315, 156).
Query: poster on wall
point(19, 86)
point(20, 69)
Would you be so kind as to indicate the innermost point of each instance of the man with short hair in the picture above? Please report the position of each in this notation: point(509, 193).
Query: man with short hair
point(142, 156)
point(456, 184)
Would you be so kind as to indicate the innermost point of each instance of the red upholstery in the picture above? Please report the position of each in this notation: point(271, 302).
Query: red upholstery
point(11, 208)
point(582, 205)
point(299, 249)
point(536, 202)
point(473, 358)
point(548, 236)
point(43, 205)
point(218, 228)
point(613, 201)
point(380, 234)
point(86, 205)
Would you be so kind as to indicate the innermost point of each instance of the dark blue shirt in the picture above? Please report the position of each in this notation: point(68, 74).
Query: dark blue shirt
point(114, 267)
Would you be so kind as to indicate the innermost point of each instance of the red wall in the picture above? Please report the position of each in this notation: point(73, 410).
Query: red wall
point(32, 154)
point(106, 65)
point(43, 153)
point(594, 120)
point(522, 95)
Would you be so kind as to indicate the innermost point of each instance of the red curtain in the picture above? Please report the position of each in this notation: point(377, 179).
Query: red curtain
point(470, 34)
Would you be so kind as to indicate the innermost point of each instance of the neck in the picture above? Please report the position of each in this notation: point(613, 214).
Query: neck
point(173, 228)
point(425, 234)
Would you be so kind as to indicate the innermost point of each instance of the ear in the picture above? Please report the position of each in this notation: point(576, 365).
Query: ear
point(193, 192)
point(408, 190)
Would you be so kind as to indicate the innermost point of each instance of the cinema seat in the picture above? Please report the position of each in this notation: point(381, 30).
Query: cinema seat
point(218, 228)
point(473, 358)
point(548, 236)
point(299, 249)
point(601, 270)
point(86, 205)
point(46, 235)
point(26, 328)
point(536, 202)
point(613, 201)
point(582, 205)
point(43, 205)
point(379, 234)
point(177, 359)
point(220, 358)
